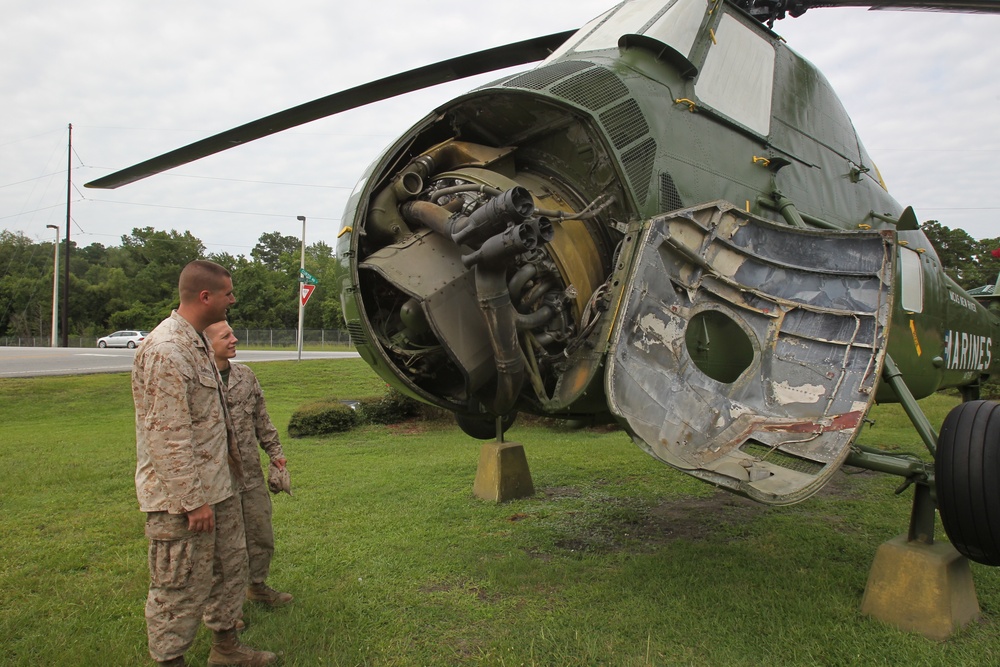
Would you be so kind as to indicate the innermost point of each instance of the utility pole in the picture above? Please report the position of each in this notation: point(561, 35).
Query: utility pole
point(302, 268)
point(54, 342)
point(69, 193)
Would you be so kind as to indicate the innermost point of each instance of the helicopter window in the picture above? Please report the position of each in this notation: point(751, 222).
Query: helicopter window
point(574, 41)
point(738, 75)
point(679, 25)
point(630, 18)
point(911, 280)
point(676, 26)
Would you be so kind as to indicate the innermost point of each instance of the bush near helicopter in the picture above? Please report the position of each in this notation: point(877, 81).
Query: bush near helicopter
point(671, 223)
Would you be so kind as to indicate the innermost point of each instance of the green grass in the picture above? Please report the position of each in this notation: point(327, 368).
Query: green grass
point(617, 560)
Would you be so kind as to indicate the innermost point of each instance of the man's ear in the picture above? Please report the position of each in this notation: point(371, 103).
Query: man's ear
point(204, 296)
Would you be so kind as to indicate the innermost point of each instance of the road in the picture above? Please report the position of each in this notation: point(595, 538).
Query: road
point(18, 362)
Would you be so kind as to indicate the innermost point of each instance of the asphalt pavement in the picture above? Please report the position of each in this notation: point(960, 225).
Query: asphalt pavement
point(34, 361)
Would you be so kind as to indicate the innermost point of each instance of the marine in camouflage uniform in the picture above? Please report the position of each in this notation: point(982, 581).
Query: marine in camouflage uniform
point(253, 428)
point(185, 467)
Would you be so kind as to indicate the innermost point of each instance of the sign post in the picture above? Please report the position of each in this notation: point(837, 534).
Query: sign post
point(302, 274)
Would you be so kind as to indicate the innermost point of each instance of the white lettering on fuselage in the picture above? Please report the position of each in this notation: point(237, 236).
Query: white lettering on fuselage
point(967, 352)
point(962, 301)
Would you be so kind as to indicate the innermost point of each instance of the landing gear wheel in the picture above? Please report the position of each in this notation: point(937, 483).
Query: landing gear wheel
point(483, 427)
point(967, 468)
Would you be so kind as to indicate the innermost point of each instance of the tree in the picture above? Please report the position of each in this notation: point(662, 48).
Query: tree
point(954, 248)
point(986, 263)
point(264, 298)
point(969, 262)
point(154, 259)
point(272, 246)
point(25, 285)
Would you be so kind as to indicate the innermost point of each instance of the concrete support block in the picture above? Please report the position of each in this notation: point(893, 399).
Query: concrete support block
point(923, 588)
point(503, 473)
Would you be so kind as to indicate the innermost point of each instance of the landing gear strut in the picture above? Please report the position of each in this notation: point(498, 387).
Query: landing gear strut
point(915, 583)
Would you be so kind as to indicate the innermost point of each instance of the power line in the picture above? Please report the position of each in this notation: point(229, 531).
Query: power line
point(207, 210)
point(37, 210)
point(242, 180)
point(182, 208)
point(36, 178)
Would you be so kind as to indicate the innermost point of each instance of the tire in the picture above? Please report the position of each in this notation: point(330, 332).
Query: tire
point(102, 344)
point(483, 427)
point(967, 472)
point(130, 345)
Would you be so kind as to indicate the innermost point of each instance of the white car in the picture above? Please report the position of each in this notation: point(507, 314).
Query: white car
point(122, 339)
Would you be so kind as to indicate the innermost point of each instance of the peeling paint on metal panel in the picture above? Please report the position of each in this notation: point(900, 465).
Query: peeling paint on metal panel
point(727, 262)
point(736, 411)
point(654, 332)
point(785, 393)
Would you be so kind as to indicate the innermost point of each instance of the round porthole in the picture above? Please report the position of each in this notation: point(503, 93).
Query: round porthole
point(719, 347)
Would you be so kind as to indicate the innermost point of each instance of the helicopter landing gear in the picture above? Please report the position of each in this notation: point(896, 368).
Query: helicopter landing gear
point(966, 469)
point(502, 473)
point(915, 583)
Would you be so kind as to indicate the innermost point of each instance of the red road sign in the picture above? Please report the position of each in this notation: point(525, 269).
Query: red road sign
point(306, 292)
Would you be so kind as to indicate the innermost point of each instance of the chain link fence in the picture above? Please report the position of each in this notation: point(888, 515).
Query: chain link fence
point(256, 339)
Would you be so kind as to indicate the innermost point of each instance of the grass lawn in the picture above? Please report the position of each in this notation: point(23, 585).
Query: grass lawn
point(617, 560)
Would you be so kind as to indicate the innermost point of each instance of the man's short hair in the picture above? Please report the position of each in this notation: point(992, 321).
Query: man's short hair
point(200, 275)
point(212, 329)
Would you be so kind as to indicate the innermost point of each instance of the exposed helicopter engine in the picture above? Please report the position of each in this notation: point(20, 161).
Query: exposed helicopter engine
point(511, 282)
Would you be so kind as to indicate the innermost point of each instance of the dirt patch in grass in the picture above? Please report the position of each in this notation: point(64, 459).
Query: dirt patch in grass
point(596, 520)
point(699, 518)
point(610, 523)
point(846, 483)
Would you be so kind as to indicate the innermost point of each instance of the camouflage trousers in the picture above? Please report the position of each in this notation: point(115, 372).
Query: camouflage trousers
point(193, 577)
point(260, 533)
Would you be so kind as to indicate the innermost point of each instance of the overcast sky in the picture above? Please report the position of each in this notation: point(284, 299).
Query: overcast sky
point(137, 79)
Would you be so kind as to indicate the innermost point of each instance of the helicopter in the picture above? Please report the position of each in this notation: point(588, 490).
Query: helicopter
point(669, 223)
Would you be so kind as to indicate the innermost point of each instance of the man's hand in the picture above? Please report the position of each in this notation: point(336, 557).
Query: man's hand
point(201, 520)
point(280, 463)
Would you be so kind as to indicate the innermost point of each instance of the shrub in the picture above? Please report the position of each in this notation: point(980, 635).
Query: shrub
point(990, 390)
point(320, 417)
point(390, 408)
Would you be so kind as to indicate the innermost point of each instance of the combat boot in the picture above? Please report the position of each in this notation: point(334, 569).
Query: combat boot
point(266, 595)
point(227, 650)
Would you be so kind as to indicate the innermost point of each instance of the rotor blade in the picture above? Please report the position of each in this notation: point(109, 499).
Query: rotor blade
point(510, 55)
point(958, 6)
point(769, 11)
point(795, 7)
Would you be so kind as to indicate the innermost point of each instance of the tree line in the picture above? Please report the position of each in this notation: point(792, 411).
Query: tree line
point(134, 285)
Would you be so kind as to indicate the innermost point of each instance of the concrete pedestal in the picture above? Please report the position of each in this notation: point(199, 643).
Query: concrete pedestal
point(924, 588)
point(503, 473)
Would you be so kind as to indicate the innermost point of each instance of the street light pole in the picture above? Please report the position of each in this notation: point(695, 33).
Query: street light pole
point(69, 195)
point(302, 268)
point(55, 288)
